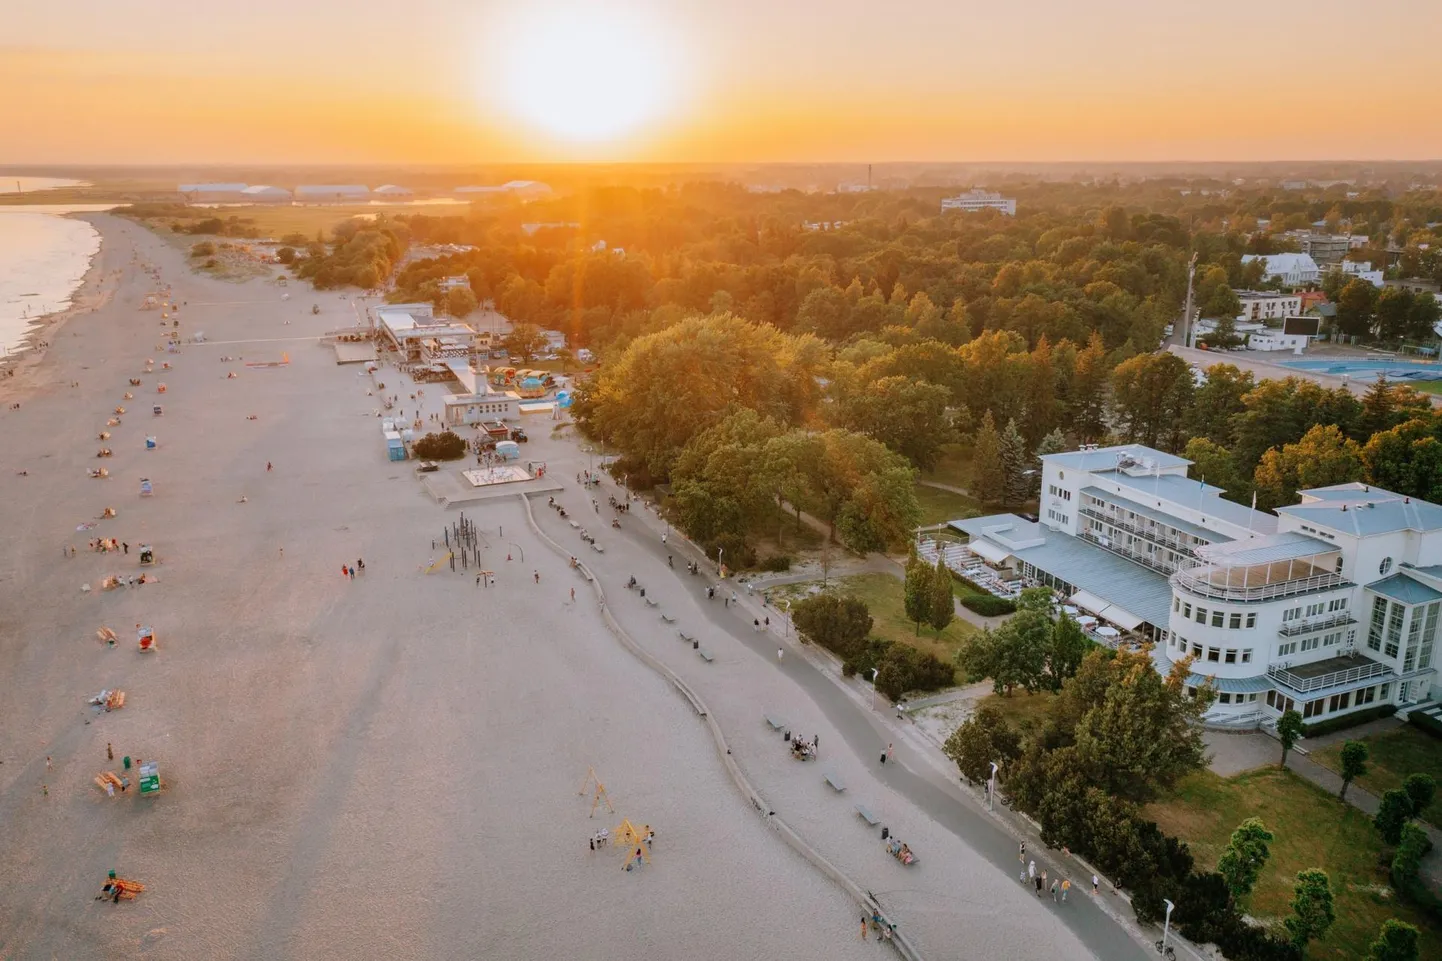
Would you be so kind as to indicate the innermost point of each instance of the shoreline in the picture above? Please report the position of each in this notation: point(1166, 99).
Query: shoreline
point(19, 368)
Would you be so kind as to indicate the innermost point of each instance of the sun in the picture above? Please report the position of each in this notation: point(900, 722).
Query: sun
point(583, 75)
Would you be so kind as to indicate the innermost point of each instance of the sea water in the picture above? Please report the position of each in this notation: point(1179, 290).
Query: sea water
point(43, 258)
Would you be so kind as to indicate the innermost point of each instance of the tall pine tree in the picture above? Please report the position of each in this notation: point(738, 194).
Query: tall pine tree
point(1015, 462)
point(988, 477)
point(942, 607)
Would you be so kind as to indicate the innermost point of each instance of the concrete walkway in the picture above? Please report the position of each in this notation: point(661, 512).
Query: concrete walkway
point(951, 488)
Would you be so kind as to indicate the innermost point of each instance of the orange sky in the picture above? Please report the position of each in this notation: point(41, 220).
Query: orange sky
point(88, 81)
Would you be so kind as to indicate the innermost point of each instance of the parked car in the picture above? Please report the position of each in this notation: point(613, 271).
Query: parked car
point(427, 466)
point(519, 435)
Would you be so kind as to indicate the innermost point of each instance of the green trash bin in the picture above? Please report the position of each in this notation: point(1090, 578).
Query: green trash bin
point(126, 762)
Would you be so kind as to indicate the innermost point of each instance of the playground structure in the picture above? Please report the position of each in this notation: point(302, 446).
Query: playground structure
point(593, 786)
point(629, 838)
point(529, 384)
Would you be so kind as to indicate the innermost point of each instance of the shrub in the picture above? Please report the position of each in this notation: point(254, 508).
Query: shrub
point(285, 255)
point(839, 624)
point(988, 605)
point(443, 446)
point(203, 249)
point(1424, 723)
point(775, 563)
point(904, 669)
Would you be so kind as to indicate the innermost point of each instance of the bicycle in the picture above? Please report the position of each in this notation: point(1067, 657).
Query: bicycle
point(1166, 951)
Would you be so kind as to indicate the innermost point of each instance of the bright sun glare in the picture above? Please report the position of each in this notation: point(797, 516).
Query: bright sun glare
point(584, 76)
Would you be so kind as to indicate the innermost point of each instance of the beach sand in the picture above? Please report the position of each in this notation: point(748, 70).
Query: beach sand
point(387, 766)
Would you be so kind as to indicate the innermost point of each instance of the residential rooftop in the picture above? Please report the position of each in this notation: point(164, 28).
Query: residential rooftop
point(1361, 510)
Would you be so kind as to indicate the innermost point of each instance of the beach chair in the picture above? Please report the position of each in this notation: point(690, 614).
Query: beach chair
point(650, 602)
point(687, 637)
point(834, 781)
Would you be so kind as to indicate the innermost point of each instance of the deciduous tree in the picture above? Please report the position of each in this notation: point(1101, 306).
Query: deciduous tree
point(1312, 911)
point(981, 739)
point(1289, 730)
point(1354, 764)
point(1396, 941)
point(916, 590)
point(1247, 853)
point(1393, 812)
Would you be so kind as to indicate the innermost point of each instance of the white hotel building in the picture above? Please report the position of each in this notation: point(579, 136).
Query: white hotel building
point(1329, 606)
point(974, 200)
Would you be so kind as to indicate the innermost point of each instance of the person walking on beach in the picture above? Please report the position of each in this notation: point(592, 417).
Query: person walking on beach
point(537, 576)
point(863, 927)
point(1065, 887)
point(573, 595)
point(343, 572)
point(127, 548)
point(268, 466)
point(1039, 881)
point(352, 573)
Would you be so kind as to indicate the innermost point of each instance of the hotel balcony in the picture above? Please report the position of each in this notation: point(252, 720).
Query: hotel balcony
point(1340, 619)
point(1136, 557)
point(1263, 569)
point(1154, 535)
point(1321, 676)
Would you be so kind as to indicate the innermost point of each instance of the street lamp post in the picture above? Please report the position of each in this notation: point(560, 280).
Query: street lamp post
point(720, 552)
point(1167, 927)
point(875, 673)
point(788, 618)
point(991, 789)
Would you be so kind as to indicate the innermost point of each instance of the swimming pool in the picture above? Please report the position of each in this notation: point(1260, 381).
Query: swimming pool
point(1369, 370)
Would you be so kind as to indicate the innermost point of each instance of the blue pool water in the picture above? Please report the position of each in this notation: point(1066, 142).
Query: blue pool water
point(1368, 370)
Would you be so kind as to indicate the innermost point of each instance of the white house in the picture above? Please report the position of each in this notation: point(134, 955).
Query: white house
point(331, 193)
point(1362, 270)
point(980, 200)
point(1294, 270)
point(1268, 305)
point(265, 194)
point(1329, 606)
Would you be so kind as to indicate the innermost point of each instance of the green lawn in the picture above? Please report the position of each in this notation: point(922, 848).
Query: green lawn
point(1025, 712)
point(953, 467)
point(883, 596)
point(939, 506)
point(1427, 386)
point(1394, 755)
point(1313, 830)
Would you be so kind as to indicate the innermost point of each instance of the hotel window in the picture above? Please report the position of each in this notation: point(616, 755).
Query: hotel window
point(1311, 643)
point(1414, 633)
point(1313, 708)
point(1196, 650)
point(1382, 691)
point(1330, 639)
point(1251, 698)
point(1288, 648)
point(1214, 654)
point(1378, 625)
point(1231, 656)
point(1340, 604)
point(1340, 702)
point(1217, 618)
point(1187, 611)
point(1234, 622)
point(1247, 656)
point(1251, 620)
point(1176, 604)
point(1314, 609)
point(1291, 614)
point(1366, 696)
point(1224, 698)
point(1201, 615)
point(1429, 635)
point(1394, 629)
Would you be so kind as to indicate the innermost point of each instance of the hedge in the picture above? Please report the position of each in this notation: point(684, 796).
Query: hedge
point(1348, 720)
point(1426, 723)
point(988, 605)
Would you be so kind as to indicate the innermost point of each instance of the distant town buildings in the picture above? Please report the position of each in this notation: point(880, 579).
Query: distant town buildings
point(1268, 305)
point(1362, 270)
point(1294, 270)
point(980, 200)
point(1325, 249)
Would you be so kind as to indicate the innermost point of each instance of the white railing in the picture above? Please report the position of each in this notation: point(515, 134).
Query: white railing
point(1201, 586)
point(1306, 685)
point(1164, 540)
point(1136, 557)
point(1307, 627)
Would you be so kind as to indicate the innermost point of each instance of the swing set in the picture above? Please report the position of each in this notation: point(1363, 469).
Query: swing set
point(593, 786)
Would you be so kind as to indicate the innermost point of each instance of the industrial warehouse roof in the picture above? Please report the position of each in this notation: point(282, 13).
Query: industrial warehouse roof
point(332, 189)
point(1361, 509)
point(266, 190)
point(1400, 587)
point(1111, 578)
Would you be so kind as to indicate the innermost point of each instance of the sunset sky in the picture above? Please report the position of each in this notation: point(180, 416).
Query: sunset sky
point(449, 81)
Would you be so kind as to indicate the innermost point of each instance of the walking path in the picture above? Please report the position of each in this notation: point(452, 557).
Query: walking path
point(952, 488)
point(919, 776)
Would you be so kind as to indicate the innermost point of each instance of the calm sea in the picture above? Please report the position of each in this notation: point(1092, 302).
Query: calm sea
point(43, 257)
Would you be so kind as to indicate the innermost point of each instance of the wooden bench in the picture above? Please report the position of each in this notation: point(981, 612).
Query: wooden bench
point(835, 782)
point(668, 618)
point(649, 602)
point(867, 816)
point(705, 656)
point(686, 637)
point(776, 723)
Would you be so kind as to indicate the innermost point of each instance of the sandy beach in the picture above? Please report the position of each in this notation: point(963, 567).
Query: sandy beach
point(390, 765)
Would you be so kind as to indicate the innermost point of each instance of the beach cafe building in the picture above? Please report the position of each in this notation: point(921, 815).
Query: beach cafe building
point(470, 409)
point(414, 331)
point(1326, 607)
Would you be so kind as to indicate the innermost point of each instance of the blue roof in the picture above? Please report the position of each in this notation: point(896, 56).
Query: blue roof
point(1361, 510)
point(1134, 588)
point(1107, 458)
point(1400, 587)
point(1198, 496)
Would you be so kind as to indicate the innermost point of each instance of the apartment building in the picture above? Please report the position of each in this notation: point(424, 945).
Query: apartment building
point(974, 200)
point(1268, 305)
point(1329, 606)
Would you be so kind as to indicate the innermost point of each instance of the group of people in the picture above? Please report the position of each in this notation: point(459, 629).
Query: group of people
point(348, 571)
point(1059, 887)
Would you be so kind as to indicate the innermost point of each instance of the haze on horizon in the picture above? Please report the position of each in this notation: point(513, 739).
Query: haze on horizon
point(446, 81)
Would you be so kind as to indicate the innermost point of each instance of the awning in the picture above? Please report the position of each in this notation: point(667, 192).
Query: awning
point(989, 551)
point(1089, 601)
point(1122, 618)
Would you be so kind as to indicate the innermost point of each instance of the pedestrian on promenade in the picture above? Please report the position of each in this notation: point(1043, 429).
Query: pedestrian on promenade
point(888, 752)
point(352, 573)
point(268, 466)
point(1021, 852)
point(573, 595)
point(1095, 882)
point(537, 576)
point(779, 654)
point(109, 751)
point(768, 623)
point(1065, 887)
point(1039, 882)
point(863, 927)
point(343, 573)
point(755, 624)
point(127, 547)
point(1055, 887)
point(1031, 870)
